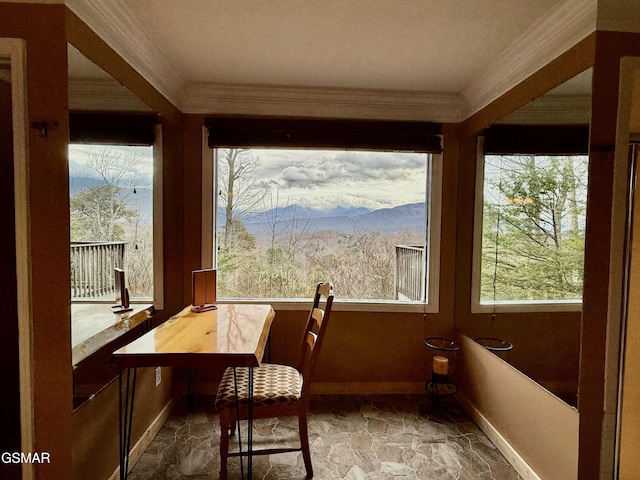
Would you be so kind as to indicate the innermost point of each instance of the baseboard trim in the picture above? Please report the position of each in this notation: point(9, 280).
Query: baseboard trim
point(146, 438)
point(368, 388)
point(510, 454)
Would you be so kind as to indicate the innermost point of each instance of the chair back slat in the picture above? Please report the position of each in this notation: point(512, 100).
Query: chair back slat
point(317, 314)
point(325, 289)
point(314, 333)
point(309, 345)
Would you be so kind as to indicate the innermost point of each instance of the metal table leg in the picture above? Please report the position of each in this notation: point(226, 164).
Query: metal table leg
point(125, 407)
point(191, 387)
point(249, 423)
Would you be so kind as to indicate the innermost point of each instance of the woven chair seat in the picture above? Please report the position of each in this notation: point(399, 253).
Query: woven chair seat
point(273, 384)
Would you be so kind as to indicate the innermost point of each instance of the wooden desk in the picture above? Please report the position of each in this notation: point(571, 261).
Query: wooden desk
point(233, 335)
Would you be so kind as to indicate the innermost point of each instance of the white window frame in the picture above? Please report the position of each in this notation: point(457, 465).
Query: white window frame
point(512, 306)
point(434, 189)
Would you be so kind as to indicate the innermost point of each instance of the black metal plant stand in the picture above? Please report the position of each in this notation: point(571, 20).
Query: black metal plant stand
point(439, 387)
point(441, 391)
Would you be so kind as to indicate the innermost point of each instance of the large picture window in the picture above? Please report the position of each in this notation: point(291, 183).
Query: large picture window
point(114, 175)
point(111, 200)
point(288, 218)
point(302, 201)
point(531, 214)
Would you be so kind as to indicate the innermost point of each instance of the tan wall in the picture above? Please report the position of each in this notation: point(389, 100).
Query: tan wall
point(630, 434)
point(601, 260)
point(43, 29)
point(364, 349)
point(540, 427)
point(95, 424)
point(543, 429)
point(630, 413)
point(363, 352)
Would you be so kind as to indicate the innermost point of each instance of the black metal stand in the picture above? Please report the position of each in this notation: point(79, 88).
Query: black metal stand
point(441, 391)
point(191, 387)
point(249, 452)
point(127, 387)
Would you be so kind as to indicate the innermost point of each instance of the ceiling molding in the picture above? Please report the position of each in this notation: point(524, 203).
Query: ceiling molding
point(102, 96)
point(553, 109)
point(321, 102)
point(116, 26)
point(562, 28)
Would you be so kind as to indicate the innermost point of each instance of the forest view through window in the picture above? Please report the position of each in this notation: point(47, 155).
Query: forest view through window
point(111, 200)
point(287, 219)
point(533, 228)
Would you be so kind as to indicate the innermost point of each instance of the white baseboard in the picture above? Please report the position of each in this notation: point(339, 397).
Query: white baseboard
point(146, 438)
point(501, 443)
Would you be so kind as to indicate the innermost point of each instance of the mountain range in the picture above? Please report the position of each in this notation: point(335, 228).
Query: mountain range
point(402, 218)
point(409, 217)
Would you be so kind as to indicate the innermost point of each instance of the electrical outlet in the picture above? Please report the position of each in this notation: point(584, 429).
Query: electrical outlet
point(158, 375)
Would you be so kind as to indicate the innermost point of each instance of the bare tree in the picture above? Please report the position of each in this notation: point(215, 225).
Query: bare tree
point(105, 210)
point(236, 168)
point(98, 211)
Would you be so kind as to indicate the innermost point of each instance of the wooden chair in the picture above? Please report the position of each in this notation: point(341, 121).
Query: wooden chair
point(279, 390)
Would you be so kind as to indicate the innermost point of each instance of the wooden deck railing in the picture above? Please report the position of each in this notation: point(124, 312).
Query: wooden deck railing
point(92, 265)
point(410, 279)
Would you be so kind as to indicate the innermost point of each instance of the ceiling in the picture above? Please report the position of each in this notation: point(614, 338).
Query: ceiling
point(452, 56)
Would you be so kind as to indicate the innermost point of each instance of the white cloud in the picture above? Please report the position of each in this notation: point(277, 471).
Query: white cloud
point(323, 179)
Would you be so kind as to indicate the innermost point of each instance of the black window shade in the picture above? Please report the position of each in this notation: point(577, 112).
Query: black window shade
point(323, 134)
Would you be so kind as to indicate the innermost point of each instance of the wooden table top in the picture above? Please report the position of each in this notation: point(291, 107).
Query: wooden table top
point(231, 335)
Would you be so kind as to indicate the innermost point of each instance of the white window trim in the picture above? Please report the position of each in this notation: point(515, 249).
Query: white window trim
point(209, 245)
point(511, 306)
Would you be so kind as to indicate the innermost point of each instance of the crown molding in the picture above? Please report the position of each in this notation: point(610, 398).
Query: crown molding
point(562, 28)
point(116, 26)
point(553, 109)
point(206, 98)
point(102, 96)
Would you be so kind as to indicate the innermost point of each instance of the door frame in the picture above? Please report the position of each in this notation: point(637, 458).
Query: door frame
point(15, 50)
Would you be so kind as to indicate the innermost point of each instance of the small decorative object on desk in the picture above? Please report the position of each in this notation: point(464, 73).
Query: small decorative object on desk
point(203, 290)
point(440, 388)
point(122, 292)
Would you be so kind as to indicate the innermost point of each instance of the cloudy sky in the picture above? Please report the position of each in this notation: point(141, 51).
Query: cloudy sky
point(327, 178)
point(79, 154)
point(318, 179)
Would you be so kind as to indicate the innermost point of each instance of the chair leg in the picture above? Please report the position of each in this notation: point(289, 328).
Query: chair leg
point(304, 443)
point(224, 444)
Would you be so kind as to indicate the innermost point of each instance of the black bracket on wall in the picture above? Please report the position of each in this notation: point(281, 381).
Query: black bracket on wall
point(43, 127)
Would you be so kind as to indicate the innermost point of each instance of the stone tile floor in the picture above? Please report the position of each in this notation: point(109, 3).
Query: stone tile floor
point(352, 437)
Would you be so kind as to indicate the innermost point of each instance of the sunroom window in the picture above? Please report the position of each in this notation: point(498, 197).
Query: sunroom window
point(111, 196)
point(531, 216)
point(288, 216)
point(111, 200)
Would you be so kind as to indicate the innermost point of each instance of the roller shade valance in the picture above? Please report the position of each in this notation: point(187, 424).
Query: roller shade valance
point(327, 134)
point(536, 140)
point(112, 129)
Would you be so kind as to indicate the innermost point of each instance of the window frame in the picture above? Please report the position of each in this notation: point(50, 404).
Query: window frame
point(432, 235)
point(157, 299)
point(509, 306)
